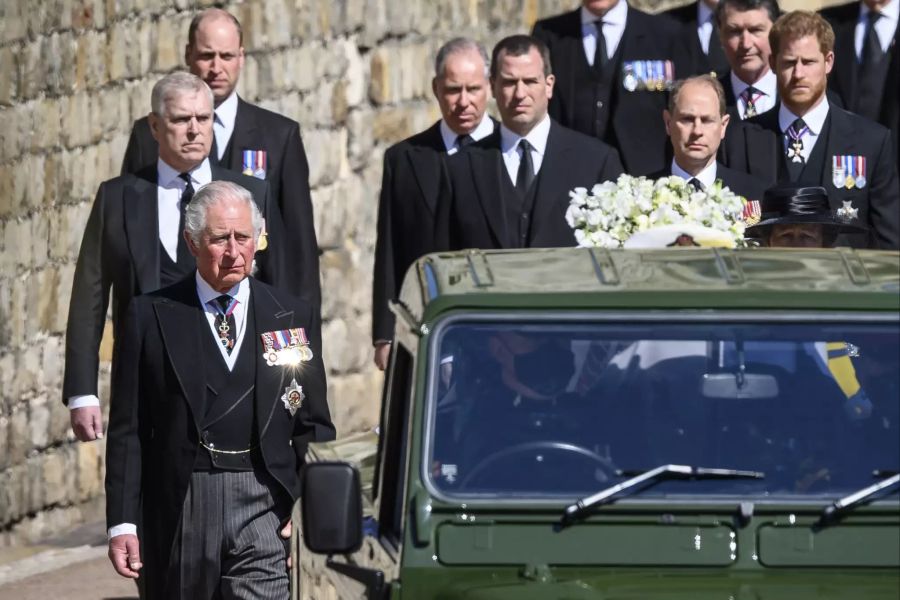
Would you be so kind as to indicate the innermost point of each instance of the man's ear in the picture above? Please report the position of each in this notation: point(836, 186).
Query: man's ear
point(666, 118)
point(192, 247)
point(726, 119)
point(153, 120)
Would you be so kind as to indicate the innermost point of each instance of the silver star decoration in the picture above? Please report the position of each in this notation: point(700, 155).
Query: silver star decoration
point(847, 212)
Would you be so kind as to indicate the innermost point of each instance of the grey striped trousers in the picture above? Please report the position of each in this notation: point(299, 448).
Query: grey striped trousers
point(229, 547)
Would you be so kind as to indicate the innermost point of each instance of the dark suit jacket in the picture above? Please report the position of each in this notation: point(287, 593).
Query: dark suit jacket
point(120, 249)
point(879, 201)
point(689, 55)
point(740, 183)
point(635, 117)
point(287, 173)
point(474, 216)
point(407, 207)
point(843, 78)
point(158, 391)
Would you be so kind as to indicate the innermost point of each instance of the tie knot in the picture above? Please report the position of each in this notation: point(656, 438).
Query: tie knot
point(749, 92)
point(464, 140)
point(797, 126)
point(186, 177)
point(872, 16)
point(695, 183)
point(224, 302)
point(524, 145)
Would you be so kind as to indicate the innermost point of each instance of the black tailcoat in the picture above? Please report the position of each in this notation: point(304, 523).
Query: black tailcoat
point(689, 55)
point(407, 209)
point(158, 399)
point(121, 250)
point(878, 202)
point(636, 122)
point(843, 79)
point(287, 173)
point(474, 216)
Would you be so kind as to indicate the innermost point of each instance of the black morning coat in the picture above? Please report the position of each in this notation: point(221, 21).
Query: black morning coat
point(689, 55)
point(843, 78)
point(159, 393)
point(407, 210)
point(473, 215)
point(120, 249)
point(878, 202)
point(287, 173)
point(636, 117)
point(739, 183)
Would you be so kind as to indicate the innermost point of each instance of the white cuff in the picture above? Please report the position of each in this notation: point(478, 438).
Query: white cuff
point(123, 529)
point(83, 401)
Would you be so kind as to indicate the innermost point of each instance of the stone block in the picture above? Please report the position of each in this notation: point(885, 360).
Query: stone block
point(380, 76)
point(9, 76)
point(355, 401)
point(7, 374)
point(40, 241)
point(392, 125)
point(356, 75)
point(15, 490)
point(91, 68)
point(59, 476)
point(360, 142)
point(315, 108)
point(64, 293)
point(375, 23)
point(58, 52)
point(18, 432)
point(39, 423)
point(327, 151)
point(88, 14)
point(76, 113)
point(46, 124)
point(28, 365)
point(348, 344)
point(347, 288)
point(276, 25)
point(6, 318)
point(66, 232)
point(168, 47)
point(32, 194)
point(32, 71)
point(90, 469)
point(51, 176)
point(7, 199)
point(13, 19)
point(347, 16)
point(4, 454)
point(16, 318)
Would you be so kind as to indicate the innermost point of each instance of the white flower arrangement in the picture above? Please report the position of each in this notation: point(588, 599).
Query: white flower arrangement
point(611, 212)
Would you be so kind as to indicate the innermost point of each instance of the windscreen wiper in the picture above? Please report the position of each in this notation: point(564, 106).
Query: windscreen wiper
point(580, 509)
point(841, 506)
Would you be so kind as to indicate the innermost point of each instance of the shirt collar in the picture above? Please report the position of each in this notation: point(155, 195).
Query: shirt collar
point(484, 129)
point(891, 11)
point(166, 175)
point(206, 293)
point(707, 176)
point(537, 137)
point(227, 111)
point(767, 84)
point(615, 16)
point(704, 13)
point(814, 119)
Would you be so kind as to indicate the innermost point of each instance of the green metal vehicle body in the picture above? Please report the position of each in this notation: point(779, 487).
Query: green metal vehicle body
point(426, 539)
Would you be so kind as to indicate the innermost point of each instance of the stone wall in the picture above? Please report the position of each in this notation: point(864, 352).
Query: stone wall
point(74, 74)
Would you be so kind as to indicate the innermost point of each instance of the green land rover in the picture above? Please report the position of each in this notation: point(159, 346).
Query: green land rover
point(590, 424)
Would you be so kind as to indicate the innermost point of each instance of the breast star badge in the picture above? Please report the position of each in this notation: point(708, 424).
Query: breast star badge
point(847, 213)
point(293, 397)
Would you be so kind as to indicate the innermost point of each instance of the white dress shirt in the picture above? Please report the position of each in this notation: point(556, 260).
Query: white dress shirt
point(509, 147)
point(241, 292)
point(704, 25)
point(814, 119)
point(884, 27)
point(169, 189)
point(206, 294)
point(613, 28)
point(767, 84)
point(223, 122)
point(484, 129)
point(707, 176)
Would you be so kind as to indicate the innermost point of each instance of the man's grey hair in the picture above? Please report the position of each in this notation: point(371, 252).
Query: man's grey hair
point(175, 84)
point(211, 194)
point(460, 44)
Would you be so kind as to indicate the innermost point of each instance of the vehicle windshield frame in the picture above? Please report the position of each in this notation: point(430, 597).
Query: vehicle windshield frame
point(614, 317)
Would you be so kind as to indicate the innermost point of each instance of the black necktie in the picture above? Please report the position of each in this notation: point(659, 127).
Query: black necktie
point(695, 183)
point(600, 56)
point(525, 175)
point(868, 96)
point(225, 324)
point(464, 140)
point(182, 252)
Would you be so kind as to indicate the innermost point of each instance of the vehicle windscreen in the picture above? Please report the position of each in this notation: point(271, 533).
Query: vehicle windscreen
point(563, 409)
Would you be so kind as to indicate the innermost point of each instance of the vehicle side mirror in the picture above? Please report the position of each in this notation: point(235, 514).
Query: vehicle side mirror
point(331, 508)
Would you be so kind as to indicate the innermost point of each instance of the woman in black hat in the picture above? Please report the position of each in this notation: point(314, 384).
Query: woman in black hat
point(800, 217)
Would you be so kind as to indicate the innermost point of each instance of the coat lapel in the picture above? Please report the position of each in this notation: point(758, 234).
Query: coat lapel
point(549, 191)
point(244, 137)
point(270, 381)
point(425, 166)
point(178, 322)
point(142, 228)
point(487, 169)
